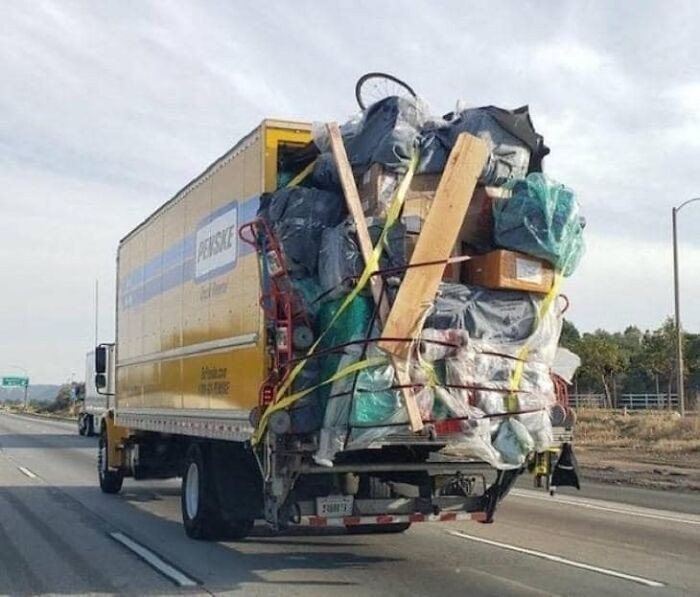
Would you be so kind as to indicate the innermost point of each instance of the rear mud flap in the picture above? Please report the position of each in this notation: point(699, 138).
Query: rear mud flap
point(565, 473)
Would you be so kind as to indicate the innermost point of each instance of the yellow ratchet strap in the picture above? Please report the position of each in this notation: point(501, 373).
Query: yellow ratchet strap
point(370, 268)
point(521, 356)
point(302, 175)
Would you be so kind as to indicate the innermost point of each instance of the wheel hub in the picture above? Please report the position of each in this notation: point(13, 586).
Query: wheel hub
point(192, 491)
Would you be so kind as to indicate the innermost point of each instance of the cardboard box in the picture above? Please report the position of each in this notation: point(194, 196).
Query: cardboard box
point(376, 190)
point(508, 270)
point(377, 187)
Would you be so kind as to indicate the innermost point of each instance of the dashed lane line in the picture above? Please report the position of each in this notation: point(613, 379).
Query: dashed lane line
point(154, 560)
point(25, 471)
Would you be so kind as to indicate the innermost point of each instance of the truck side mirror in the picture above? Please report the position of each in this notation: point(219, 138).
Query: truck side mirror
point(100, 362)
point(100, 380)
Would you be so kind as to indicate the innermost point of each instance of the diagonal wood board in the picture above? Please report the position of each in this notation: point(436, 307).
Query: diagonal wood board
point(435, 243)
point(352, 198)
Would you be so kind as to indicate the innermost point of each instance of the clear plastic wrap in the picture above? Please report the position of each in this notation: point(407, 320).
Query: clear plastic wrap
point(490, 379)
point(513, 442)
point(565, 364)
point(509, 134)
point(340, 260)
point(541, 219)
point(298, 216)
point(498, 321)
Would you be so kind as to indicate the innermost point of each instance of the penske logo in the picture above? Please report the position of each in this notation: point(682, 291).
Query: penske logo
point(217, 243)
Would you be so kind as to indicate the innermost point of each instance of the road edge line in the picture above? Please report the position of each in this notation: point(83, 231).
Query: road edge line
point(560, 560)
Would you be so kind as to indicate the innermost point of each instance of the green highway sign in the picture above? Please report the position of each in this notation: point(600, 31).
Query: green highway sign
point(21, 382)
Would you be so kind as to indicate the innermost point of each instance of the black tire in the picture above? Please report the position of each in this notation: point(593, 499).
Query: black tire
point(82, 429)
point(89, 426)
point(110, 480)
point(202, 516)
point(371, 487)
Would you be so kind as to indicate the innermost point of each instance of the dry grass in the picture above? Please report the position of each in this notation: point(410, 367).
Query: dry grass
point(657, 432)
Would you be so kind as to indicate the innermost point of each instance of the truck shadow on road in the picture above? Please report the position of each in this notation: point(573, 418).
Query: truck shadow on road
point(57, 540)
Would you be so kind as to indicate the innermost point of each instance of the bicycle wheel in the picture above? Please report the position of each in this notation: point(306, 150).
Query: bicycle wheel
point(373, 87)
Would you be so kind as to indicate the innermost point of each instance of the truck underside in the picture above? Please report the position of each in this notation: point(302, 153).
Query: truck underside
point(228, 486)
point(209, 404)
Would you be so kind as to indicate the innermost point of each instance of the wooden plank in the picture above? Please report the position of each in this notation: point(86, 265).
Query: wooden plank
point(352, 199)
point(435, 243)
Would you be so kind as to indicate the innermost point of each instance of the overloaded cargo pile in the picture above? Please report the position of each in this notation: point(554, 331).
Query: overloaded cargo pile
point(480, 363)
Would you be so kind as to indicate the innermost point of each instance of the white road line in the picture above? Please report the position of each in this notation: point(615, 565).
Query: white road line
point(552, 558)
point(153, 560)
point(614, 507)
point(27, 472)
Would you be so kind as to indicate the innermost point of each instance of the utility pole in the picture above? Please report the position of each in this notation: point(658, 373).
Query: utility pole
point(677, 300)
point(97, 308)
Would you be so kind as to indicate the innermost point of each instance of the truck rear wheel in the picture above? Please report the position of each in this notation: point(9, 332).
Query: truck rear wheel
point(89, 425)
point(202, 515)
point(198, 497)
point(110, 480)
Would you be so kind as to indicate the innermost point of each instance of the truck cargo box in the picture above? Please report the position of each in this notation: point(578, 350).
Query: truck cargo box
point(190, 334)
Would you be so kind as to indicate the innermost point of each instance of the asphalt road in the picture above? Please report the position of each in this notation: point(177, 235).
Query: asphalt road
point(57, 535)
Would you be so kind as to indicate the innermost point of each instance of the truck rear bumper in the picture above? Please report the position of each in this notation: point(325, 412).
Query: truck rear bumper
point(348, 521)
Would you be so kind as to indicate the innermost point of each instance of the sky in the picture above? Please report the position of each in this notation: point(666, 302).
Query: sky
point(108, 108)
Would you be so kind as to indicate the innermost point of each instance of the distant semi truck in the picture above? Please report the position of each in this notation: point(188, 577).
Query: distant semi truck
point(192, 370)
point(93, 407)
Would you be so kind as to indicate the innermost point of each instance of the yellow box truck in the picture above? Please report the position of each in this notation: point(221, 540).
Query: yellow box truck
point(193, 363)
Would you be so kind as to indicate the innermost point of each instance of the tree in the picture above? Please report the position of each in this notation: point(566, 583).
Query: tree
point(570, 336)
point(659, 353)
point(601, 360)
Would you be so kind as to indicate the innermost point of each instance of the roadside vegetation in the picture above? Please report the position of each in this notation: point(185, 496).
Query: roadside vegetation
point(646, 431)
point(632, 362)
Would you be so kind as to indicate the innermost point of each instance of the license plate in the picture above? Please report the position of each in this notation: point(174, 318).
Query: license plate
point(334, 506)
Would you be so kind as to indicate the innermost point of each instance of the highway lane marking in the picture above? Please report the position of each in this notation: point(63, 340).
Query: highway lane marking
point(606, 506)
point(154, 560)
point(27, 472)
point(559, 560)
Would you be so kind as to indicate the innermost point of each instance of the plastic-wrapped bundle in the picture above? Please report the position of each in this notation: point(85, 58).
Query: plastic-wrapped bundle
point(369, 408)
point(378, 410)
point(299, 216)
point(500, 321)
point(340, 260)
point(351, 325)
point(475, 441)
point(309, 292)
point(515, 148)
point(491, 376)
point(307, 413)
point(541, 219)
point(387, 134)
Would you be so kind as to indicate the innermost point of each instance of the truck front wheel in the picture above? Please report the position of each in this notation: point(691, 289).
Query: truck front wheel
point(110, 480)
point(82, 428)
point(89, 425)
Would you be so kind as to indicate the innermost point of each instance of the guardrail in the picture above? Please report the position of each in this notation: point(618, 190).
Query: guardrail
point(629, 401)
